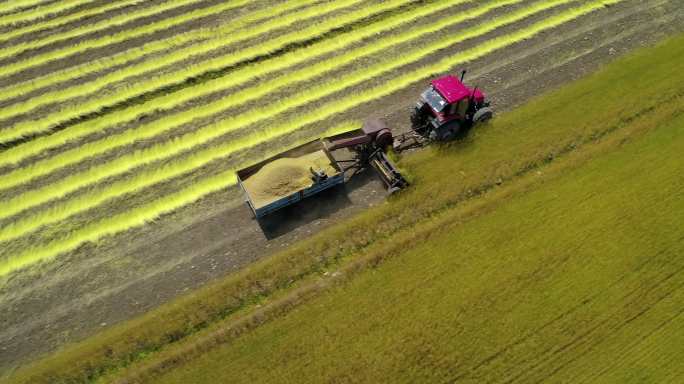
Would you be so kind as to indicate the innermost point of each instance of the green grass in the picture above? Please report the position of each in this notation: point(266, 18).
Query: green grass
point(569, 124)
point(576, 279)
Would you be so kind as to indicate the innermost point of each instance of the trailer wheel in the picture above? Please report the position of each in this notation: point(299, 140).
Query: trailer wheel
point(483, 114)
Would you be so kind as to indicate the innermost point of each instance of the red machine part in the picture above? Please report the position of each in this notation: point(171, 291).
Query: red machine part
point(375, 132)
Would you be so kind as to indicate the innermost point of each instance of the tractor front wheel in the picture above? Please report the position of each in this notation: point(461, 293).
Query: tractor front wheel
point(482, 115)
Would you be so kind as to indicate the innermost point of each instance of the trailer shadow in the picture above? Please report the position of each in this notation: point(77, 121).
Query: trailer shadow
point(321, 206)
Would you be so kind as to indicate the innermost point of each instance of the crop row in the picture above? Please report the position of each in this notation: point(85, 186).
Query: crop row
point(141, 216)
point(149, 49)
point(239, 77)
point(203, 157)
point(227, 38)
point(65, 18)
point(85, 29)
point(36, 13)
point(175, 100)
point(101, 100)
point(170, 122)
point(10, 6)
point(150, 211)
point(248, 119)
point(43, 58)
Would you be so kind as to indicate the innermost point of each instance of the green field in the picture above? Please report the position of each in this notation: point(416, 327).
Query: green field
point(544, 246)
point(579, 279)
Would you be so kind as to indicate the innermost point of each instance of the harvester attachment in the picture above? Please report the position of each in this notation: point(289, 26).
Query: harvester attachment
point(388, 172)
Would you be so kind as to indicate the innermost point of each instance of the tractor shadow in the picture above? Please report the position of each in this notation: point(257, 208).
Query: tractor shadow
point(463, 133)
point(460, 140)
point(328, 204)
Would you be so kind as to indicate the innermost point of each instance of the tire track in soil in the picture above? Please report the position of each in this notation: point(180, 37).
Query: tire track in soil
point(666, 324)
point(613, 323)
point(566, 319)
point(192, 222)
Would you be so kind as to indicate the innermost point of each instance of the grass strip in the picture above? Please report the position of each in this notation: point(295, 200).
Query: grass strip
point(13, 69)
point(98, 101)
point(65, 19)
point(548, 127)
point(236, 78)
point(234, 123)
point(592, 270)
point(147, 212)
point(34, 14)
point(173, 101)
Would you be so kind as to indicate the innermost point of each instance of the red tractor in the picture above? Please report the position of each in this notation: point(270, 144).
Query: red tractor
point(447, 107)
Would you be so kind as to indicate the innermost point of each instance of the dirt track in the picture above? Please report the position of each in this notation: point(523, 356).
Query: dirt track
point(101, 285)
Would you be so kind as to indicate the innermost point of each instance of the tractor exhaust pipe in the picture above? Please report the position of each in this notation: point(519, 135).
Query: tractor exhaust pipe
point(463, 75)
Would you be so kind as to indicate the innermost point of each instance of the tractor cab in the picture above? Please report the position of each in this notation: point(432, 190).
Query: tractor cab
point(447, 106)
point(453, 97)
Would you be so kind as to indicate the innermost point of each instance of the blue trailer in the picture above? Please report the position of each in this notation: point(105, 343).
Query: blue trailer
point(358, 149)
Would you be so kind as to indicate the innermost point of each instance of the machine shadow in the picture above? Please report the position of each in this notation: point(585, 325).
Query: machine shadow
point(321, 206)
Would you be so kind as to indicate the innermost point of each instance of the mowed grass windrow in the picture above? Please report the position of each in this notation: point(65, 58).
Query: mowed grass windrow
point(239, 77)
point(233, 123)
point(144, 213)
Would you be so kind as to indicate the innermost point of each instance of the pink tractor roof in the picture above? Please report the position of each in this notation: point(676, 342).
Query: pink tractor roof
point(453, 90)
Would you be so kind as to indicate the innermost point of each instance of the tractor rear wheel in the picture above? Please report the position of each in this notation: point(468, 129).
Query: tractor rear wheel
point(447, 132)
point(482, 115)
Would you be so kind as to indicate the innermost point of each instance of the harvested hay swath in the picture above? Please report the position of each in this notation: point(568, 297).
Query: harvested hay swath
point(285, 176)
